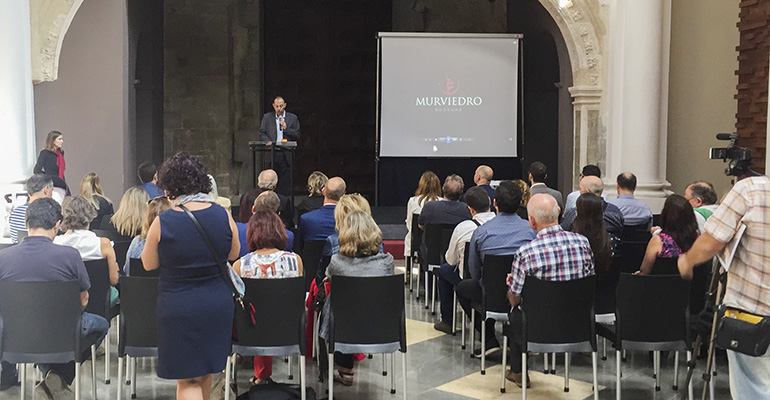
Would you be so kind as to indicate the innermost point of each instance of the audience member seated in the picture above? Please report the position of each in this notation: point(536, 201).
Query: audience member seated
point(537, 174)
point(589, 223)
point(148, 175)
point(613, 218)
point(91, 190)
point(265, 201)
point(502, 235)
point(154, 208)
point(129, 219)
point(267, 180)
point(525, 195)
point(677, 234)
point(451, 272)
point(448, 209)
point(37, 259)
point(555, 255)
point(703, 199)
point(319, 224)
point(267, 259)
point(76, 213)
point(428, 189)
point(588, 170)
point(38, 186)
point(482, 178)
point(359, 239)
point(315, 199)
point(635, 212)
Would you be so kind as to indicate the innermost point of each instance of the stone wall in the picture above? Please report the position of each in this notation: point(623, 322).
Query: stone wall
point(754, 50)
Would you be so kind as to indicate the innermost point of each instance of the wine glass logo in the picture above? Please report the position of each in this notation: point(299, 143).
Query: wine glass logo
point(449, 89)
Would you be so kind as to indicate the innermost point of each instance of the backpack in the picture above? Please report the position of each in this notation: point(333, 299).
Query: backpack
point(277, 391)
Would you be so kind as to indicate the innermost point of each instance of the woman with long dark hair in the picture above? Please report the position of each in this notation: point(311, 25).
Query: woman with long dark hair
point(589, 222)
point(679, 229)
point(50, 161)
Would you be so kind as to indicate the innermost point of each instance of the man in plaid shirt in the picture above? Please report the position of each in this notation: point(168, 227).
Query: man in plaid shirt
point(748, 278)
point(554, 255)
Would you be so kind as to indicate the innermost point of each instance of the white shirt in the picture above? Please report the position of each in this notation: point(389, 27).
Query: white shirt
point(412, 207)
point(460, 238)
point(278, 129)
point(84, 241)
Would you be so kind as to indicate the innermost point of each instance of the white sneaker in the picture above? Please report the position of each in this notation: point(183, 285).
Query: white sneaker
point(58, 389)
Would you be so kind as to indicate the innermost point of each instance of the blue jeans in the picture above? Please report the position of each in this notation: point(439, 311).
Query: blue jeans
point(448, 278)
point(93, 329)
point(749, 376)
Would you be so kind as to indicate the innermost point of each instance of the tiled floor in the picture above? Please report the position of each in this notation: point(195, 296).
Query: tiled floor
point(438, 369)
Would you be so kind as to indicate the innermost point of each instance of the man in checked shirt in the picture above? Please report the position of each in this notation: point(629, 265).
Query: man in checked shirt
point(555, 255)
point(748, 278)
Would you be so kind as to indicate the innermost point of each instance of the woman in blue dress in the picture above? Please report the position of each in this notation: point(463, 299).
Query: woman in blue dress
point(195, 303)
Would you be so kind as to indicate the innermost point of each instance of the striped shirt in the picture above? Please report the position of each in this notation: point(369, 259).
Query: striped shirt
point(18, 221)
point(748, 279)
point(554, 255)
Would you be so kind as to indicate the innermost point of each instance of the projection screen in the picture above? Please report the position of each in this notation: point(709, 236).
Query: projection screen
point(448, 95)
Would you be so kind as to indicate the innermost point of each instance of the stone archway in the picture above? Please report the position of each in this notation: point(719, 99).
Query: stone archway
point(49, 22)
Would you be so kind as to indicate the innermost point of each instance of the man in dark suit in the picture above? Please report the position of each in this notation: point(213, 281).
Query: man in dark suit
point(275, 127)
point(537, 174)
point(319, 224)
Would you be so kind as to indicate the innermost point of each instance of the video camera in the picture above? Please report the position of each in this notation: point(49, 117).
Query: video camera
point(738, 158)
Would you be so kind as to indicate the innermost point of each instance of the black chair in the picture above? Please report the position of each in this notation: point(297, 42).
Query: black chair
point(665, 266)
point(634, 240)
point(41, 324)
point(99, 302)
point(138, 336)
point(415, 250)
point(279, 312)
point(436, 244)
point(698, 284)
point(106, 224)
point(121, 248)
point(651, 315)
point(136, 268)
point(557, 316)
point(367, 316)
point(494, 304)
point(604, 307)
point(111, 234)
point(311, 256)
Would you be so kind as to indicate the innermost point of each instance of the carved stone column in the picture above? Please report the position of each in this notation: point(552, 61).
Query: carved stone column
point(589, 139)
point(638, 96)
point(17, 121)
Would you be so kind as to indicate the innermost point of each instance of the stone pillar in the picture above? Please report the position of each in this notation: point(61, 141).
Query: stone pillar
point(17, 122)
point(638, 96)
point(589, 142)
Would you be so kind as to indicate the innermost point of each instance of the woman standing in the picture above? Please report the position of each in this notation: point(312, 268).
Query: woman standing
point(195, 303)
point(50, 161)
point(91, 190)
point(267, 237)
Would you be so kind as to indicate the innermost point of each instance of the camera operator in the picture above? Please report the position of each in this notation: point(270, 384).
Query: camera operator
point(748, 278)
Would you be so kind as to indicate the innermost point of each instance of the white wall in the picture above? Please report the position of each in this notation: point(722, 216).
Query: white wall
point(88, 102)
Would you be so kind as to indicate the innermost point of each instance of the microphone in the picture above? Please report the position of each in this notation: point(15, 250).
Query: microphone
point(726, 136)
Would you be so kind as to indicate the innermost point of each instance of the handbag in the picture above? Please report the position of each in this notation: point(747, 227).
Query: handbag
point(235, 281)
point(743, 332)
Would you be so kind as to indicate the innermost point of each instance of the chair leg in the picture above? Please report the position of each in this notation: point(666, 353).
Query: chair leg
point(133, 377)
point(77, 381)
point(291, 376)
point(553, 363)
point(128, 370)
point(462, 329)
point(617, 374)
point(454, 314)
point(23, 378)
point(93, 369)
point(302, 377)
point(427, 296)
point(433, 294)
point(624, 356)
point(596, 377)
point(331, 375)
point(473, 333)
point(523, 375)
point(711, 380)
point(392, 372)
point(566, 372)
point(676, 371)
point(656, 360)
point(403, 374)
point(314, 354)
point(689, 386)
point(502, 373)
point(120, 376)
point(545, 363)
point(384, 368)
point(106, 358)
point(604, 349)
point(228, 370)
point(483, 347)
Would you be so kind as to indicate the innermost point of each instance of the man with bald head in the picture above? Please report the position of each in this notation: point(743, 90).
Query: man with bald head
point(613, 218)
point(276, 127)
point(635, 212)
point(319, 224)
point(266, 181)
point(554, 255)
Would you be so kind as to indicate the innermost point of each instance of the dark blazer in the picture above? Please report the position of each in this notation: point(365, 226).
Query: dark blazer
point(46, 164)
point(268, 132)
point(553, 192)
point(287, 211)
point(318, 224)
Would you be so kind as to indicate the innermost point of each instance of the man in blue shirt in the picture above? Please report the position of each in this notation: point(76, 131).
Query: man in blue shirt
point(319, 224)
point(635, 212)
point(38, 187)
point(147, 173)
point(502, 235)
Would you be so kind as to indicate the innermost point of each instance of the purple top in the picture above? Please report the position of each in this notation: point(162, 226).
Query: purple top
point(670, 248)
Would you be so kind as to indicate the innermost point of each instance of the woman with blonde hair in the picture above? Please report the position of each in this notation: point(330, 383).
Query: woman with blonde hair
point(428, 189)
point(359, 255)
point(525, 195)
point(154, 207)
point(91, 190)
point(315, 200)
point(130, 217)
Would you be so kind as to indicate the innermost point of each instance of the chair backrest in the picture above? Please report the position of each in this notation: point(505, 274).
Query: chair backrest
point(107, 233)
point(106, 224)
point(99, 293)
point(279, 313)
point(138, 329)
point(559, 311)
point(665, 266)
point(634, 240)
point(493, 274)
point(606, 284)
point(367, 310)
point(636, 233)
point(136, 268)
point(652, 309)
point(311, 256)
point(436, 242)
point(40, 321)
point(121, 248)
point(416, 234)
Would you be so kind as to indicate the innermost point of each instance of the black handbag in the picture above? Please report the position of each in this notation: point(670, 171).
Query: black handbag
point(743, 332)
